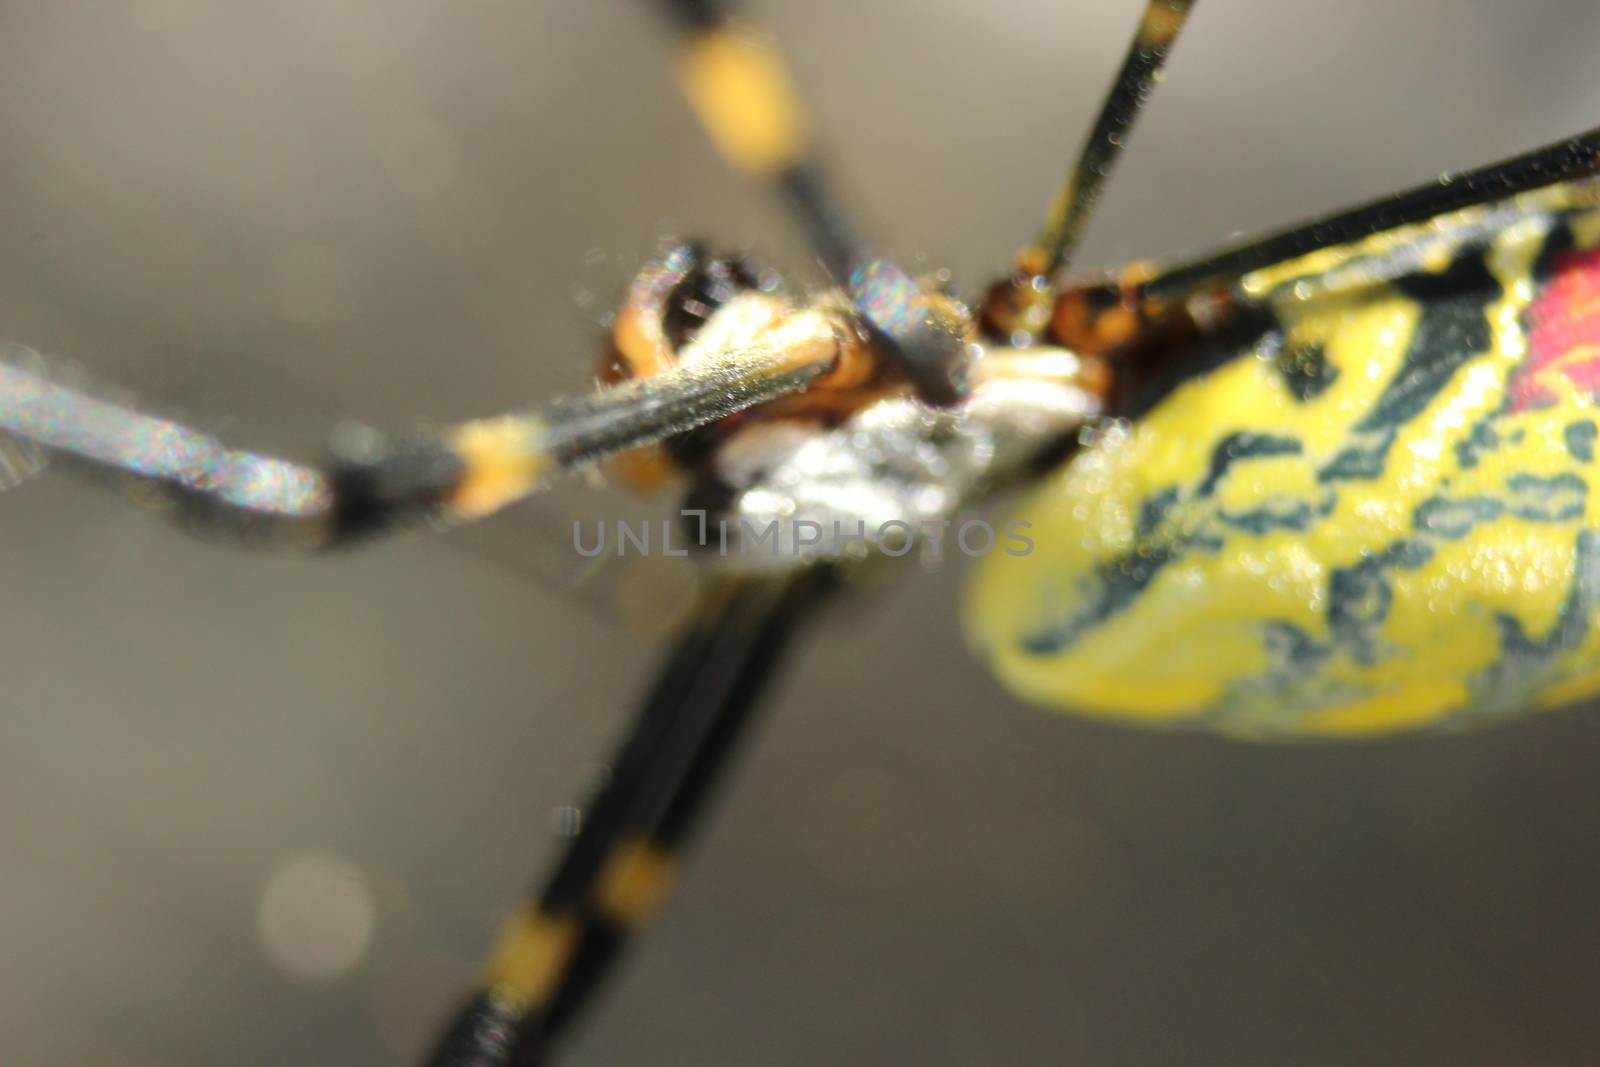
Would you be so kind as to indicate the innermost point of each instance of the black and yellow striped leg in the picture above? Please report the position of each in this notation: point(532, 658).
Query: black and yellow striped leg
point(617, 870)
point(1021, 306)
point(1074, 204)
point(1575, 159)
point(455, 474)
point(739, 88)
point(640, 869)
point(536, 947)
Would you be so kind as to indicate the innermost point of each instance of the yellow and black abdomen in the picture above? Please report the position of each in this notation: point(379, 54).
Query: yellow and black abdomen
point(1380, 512)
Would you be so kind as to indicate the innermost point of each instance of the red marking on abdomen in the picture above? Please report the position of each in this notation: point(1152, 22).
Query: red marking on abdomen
point(1563, 326)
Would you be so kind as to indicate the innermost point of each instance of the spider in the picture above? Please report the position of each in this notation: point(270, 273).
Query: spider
point(226, 592)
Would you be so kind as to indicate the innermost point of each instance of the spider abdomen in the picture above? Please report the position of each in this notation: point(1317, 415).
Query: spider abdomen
point(1376, 515)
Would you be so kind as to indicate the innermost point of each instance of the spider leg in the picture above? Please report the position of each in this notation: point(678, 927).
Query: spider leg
point(373, 482)
point(1576, 159)
point(1020, 305)
point(738, 86)
point(1074, 203)
point(608, 883)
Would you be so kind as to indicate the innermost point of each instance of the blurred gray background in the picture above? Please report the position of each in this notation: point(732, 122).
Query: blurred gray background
point(259, 810)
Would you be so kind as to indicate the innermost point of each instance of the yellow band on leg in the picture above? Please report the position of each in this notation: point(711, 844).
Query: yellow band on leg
point(741, 93)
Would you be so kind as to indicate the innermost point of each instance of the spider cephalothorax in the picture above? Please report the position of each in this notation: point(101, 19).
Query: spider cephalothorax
point(817, 474)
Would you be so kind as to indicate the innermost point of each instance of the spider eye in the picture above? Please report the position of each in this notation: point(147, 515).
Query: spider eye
point(669, 301)
point(709, 284)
